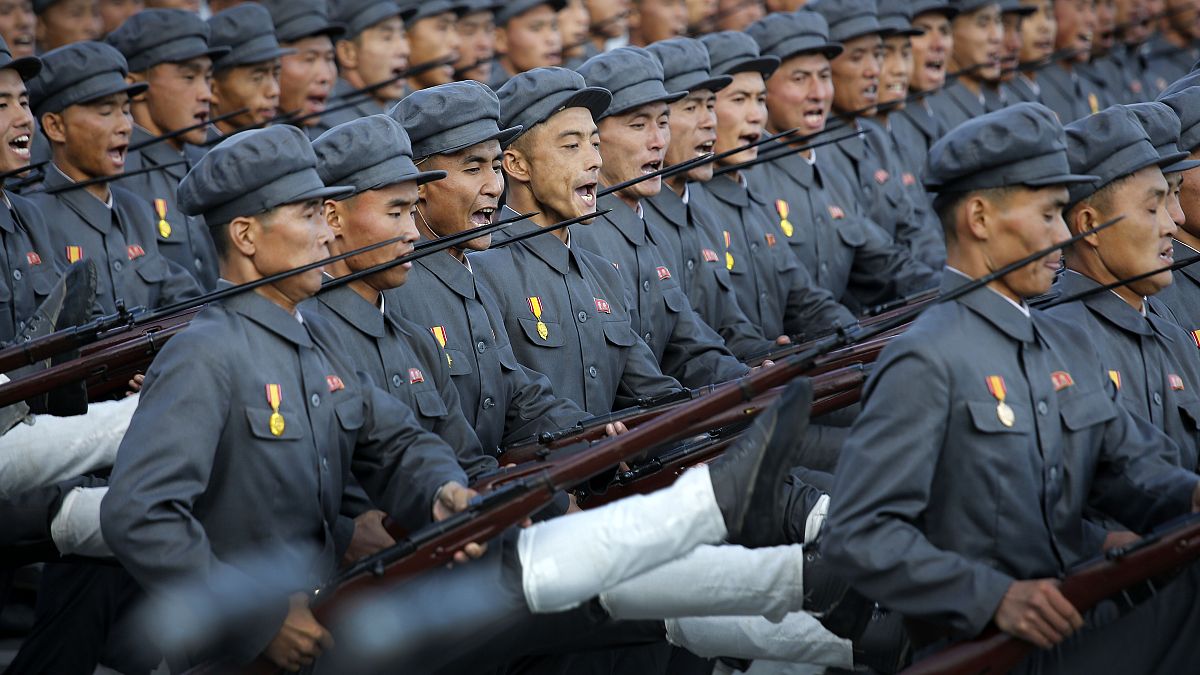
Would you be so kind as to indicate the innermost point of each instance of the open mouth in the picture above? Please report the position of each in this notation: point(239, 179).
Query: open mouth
point(1167, 255)
point(116, 155)
point(935, 65)
point(264, 114)
point(482, 217)
point(651, 167)
point(814, 117)
point(201, 117)
point(748, 138)
point(317, 102)
point(705, 148)
point(895, 89)
point(587, 193)
point(20, 146)
point(870, 92)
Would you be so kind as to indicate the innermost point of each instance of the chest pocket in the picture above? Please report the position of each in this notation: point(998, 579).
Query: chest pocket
point(1189, 409)
point(675, 299)
point(43, 283)
point(459, 363)
point(350, 414)
point(508, 360)
point(852, 234)
point(619, 333)
point(430, 403)
point(152, 269)
point(1086, 409)
point(259, 421)
point(554, 335)
point(987, 420)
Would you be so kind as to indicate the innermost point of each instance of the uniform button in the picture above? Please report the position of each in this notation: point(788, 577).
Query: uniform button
point(1042, 408)
point(754, 246)
point(117, 265)
point(481, 346)
point(582, 316)
point(646, 285)
point(593, 372)
point(647, 336)
point(324, 463)
point(763, 295)
point(824, 267)
point(488, 403)
point(17, 275)
point(315, 400)
point(1157, 398)
point(198, 263)
point(691, 264)
point(1054, 472)
point(396, 381)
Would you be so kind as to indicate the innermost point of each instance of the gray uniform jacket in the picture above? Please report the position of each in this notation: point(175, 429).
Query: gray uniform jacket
point(123, 240)
point(585, 344)
point(685, 347)
point(1156, 363)
point(1064, 92)
point(186, 240)
point(1021, 88)
point(775, 290)
point(694, 251)
point(201, 479)
point(1105, 74)
point(365, 106)
point(916, 129)
point(1183, 296)
point(930, 248)
point(1166, 63)
point(503, 400)
point(938, 506)
point(956, 104)
point(29, 267)
point(847, 253)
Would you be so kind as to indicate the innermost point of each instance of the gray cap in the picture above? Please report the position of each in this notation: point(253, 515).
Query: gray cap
point(632, 75)
point(415, 10)
point(451, 117)
point(514, 8)
point(732, 52)
point(298, 19)
point(967, 6)
point(27, 66)
point(1192, 79)
point(249, 33)
point(368, 153)
point(1110, 144)
point(1016, 7)
point(154, 36)
point(1023, 144)
point(253, 172)
point(848, 19)
point(1186, 104)
point(78, 73)
point(895, 16)
point(534, 96)
point(946, 7)
point(1162, 126)
point(359, 15)
point(685, 65)
point(472, 6)
point(40, 6)
point(785, 35)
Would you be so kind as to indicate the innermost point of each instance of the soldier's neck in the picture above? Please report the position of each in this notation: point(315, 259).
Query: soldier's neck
point(522, 200)
point(142, 118)
point(428, 234)
point(1174, 37)
point(972, 85)
point(355, 80)
point(98, 190)
point(677, 183)
point(1090, 267)
point(366, 292)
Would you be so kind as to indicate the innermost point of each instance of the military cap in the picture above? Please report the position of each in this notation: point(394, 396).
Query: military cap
point(1023, 144)
point(368, 153)
point(1016, 7)
point(1192, 79)
point(1162, 126)
point(154, 36)
point(471, 6)
point(848, 19)
point(1186, 104)
point(249, 33)
point(946, 7)
point(253, 172)
point(359, 15)
point(632, 75)
point(27, 66)
point(514, 8)
point(784, 35)
point(298, 19)
point(732, 52)
point(40, 6)
point(450, 117)
point(895, 16)
point(79, 73)
point(967, 6)
point(685, 65)
point(423, 9)
point(1109, 144)
point(534, 96)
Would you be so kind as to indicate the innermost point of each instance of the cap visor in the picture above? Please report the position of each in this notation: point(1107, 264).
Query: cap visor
point(1060, 179)
point(595, 99)
point(334, 192)
point(1185, 165)
point(213, 53)
point(503, 136)
point(27, 67)
point(131, 89)
point(1023, 10)
point(765, 65)
point(259, 57)
point(713, 84)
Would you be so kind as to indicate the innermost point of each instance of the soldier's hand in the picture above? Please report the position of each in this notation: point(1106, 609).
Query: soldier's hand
point(1035, 611)
point(783, 340)
point(767, 363)
point(453, 498)
point(370, 537)
point(300, 640)
point(615, 428)
point(135, 384)
point(1117, 539)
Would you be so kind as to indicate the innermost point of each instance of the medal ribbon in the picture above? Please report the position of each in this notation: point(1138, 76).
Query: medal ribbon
point(535, 306)
point(160, 207)
point(783, 209)
point(995, 385)
point(274, 397)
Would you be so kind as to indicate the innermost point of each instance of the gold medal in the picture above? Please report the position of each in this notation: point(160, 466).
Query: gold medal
point(164, 228)
point(535, 307)
point(1006, 414)
point(542, 330)
point(274, 398)
point(277, 424)
point(728, 260)
point(782, 208)
point(995, 385)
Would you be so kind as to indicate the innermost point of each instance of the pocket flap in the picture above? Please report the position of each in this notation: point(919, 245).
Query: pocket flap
point(619, 333)
point(350, 413)
point(986, 416)
point(1085, 409)
point(259, 420)
point(554, 335)
point(430, 403)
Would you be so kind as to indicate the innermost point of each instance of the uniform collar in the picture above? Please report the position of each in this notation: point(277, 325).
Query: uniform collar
point(158, 154)
point(1193, 270)
point(728, 190)
point(266, 314)
point(548, 247)
point(1107, 305)
point(355, 310)
point(626, 220)
point(455, 275)
point(922, 117)
point(855, 146)
point(95, 212)
point(366, 106)
point(996, 309)
point(794, 166)
point(669, 206)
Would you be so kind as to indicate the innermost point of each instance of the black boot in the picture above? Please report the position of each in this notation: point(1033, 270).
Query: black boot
point(749, 479)
point(830, 599)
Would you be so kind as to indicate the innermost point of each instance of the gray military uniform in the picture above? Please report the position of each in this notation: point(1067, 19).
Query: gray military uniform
point(1183, 296)
point(916, 128)
point(1064, 92)
point(956, 104)
point(1166, 63)
point(343, 94)
point(1021, 88)
point(29, 267)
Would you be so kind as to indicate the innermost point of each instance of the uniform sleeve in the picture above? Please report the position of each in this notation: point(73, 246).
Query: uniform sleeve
point(884, 270)
point(811, 310)
point(696, 355)
point(453, 426)
point(532, 406)
point(884, 484)
point(642, 377)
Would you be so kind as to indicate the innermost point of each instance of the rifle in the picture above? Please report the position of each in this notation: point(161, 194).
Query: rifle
point(1166, 549)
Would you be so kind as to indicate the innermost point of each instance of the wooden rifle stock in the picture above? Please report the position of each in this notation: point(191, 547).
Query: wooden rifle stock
point(1161, 552)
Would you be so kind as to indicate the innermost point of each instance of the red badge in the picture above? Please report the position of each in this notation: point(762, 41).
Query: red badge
point(602, 306)
point(709, 255)
point(836, 212)
point(1061, 379)
point(663, 273)
point(134, 251)
point(415, 376)
point(1136, 86)
point(770, 239)
point(881, 176)
point(335, 383)
point(909, 179)
point(1175, 381)
point(33, 258)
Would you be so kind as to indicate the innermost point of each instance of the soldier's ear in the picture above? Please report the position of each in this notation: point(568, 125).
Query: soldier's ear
point(978, 215)
point(346, 52)
point(243, 234)
point(136, 78)
point(53, 127)
point(516, 165)
point(333, 217)
point(1081, 218)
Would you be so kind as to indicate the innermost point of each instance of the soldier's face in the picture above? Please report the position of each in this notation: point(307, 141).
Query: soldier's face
point(931, 51)
point(16, 121)
point(255, 86)
point(1024, 221)
point(1010, 54)
point(635, 144)
point(1189, 198)
point(468, 196)
point(17, 22)
point(67, 21)
point(434, 38)
point(856, 75)
point(1182, 16)
point(573, 27)
point(530, 40)
point(564, 163)
point(1076, 26)
point(381, 53)
point(737, 14)
point(1132, 18)
point(1141, 242)
point(1106, 25)
point(657, 20)
point(741, 113)
point(895, 72)
point(608, 18)
point(288, 237)
point(702, 16)
point(93, 138)
point(1037, 32)
point(477, 38)
point(800, 94)
point(113, 13)
point(693, 132)
point(179, 96)
point(369, 218)
point(977, 43)
point(307, 77)
point(1174, 206)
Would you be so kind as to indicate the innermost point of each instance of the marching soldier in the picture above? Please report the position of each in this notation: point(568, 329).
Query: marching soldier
point(635, 136)
point(917, 127)
point(17, 29)
point(1175, 47)
point(1012, 15)
point(248, 76)
point(974, 60)
point(82, 100)
point(432, 36)
point(64, 22)
point(168, 50)
point(1183, 296)
point(1037, 45)
point(477, 37)
point(653, 21)
point(574, 27)
point(308, 72)
point(1062, 88)
point(527, 37)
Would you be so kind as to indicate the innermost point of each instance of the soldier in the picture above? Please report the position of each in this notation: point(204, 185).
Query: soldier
point(63, 22)
point(1013, 15)
point(1183, 296)
point(372, 53)
point(688, 239)
point(1133, 30)
point(113, 13)
point(576, 34)
point(1175, 46)
point(307, 73)
point(527, 37)
point(168, 50)
point(248, 76)
point(608, 23)
point(975, 60)
point(567, 310)
point(775, 291)
point(17, 25)
point(432, 37)
point(477, 36)
point(82, 100)
point(988, 427)
point(916, 127)
point(735, 15)
point(653, 21)
point(1062, 89)
point(1037, 46)
point(851, 256)
point(1103, 70)
point(635, 135)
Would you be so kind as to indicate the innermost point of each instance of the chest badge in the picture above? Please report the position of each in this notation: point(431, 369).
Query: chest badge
point(1196, 337)
point(33, 258)
point(995, 385)
point(335, 383)
point(439, 334)
point(535, 306)
point(275, 422)
point(836, 212)
point(728, 255)
point(770, 239)
point(1115, 376)
point(908, 179)
point(1061, 379)
point(1175, 381)
point(782, 208)
point(164, 228)
point(881, 176)
point(663, 273)
point(709, 255)
point(74, 254)
point(602, 306)
point(415, 376)
point(134, 251)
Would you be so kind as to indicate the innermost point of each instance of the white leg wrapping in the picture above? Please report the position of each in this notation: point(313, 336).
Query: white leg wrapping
point(569, 560)
point(75, 529)
point(771, 668)
point(799, 638)
point(715, 581)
